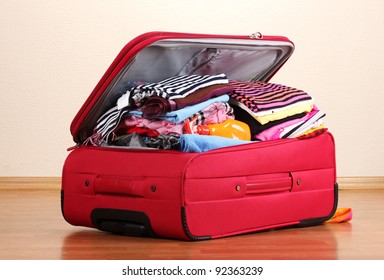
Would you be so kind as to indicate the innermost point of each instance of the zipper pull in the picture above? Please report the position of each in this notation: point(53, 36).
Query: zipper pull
point(73, 147)
point(256, 35)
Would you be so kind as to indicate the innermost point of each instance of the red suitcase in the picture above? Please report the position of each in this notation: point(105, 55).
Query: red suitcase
point(189, 195)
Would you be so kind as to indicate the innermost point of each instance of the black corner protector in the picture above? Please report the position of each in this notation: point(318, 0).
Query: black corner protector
point(62, 201)
point(318, 221)
point(186, 229)
point(62, 205)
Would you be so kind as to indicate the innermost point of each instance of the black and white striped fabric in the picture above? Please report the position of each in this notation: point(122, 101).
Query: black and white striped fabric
point(178, 87)
point(171, 88)
point(107, 123)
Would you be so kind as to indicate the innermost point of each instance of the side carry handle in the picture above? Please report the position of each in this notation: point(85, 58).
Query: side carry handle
point(269, 185)
point(119, 185)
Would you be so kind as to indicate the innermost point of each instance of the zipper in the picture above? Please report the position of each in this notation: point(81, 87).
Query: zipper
point(73, 147)
point(256, 35)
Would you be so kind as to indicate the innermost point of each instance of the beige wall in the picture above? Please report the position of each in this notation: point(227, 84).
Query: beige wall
point(52, 54)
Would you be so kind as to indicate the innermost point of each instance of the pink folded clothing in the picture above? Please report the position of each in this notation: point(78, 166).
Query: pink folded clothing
point(214, 113)
point(288, 128)
point(341, 215)
point(157, 126)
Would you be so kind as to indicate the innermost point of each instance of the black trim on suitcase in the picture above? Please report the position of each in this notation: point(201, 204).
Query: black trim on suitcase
point(186, 229)
point(62, 202)
point(318, 221)
point(125, 222)
point(62, 205)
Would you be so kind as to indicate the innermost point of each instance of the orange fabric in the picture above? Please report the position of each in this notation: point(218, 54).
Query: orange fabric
point(341, 215)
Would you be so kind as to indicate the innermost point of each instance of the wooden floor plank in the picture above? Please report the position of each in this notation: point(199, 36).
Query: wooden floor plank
point(32, 227)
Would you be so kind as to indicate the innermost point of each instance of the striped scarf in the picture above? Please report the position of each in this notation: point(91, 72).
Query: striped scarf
point(171, 88)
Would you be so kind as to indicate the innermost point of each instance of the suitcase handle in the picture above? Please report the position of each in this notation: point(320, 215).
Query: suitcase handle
point(119, 185)
point(272, 185)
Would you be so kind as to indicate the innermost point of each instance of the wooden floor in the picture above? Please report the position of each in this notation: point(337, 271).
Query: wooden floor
point(31, 227)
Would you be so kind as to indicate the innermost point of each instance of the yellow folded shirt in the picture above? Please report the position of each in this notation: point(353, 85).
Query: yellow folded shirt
point(301, 108)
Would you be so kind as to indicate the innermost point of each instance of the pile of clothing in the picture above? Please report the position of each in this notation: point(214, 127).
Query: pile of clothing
point(276, 111)
point(158, 115)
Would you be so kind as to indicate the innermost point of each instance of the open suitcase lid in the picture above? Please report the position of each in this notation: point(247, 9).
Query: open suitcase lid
point(155, 56)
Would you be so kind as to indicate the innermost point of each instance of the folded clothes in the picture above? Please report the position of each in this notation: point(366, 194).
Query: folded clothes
point(243, 114)
point(313, 133)
point(121, 88)
point(163, 142)
point(157, 126)
point(217, 112)
point(262, 96)
point(132, 140)
point(203, 143)
point(179, 116)
point(281, 114)
point(309, 125)
point(156, 106)
point(267, 117)
point(141, 131)
point(171, 88)
point(175, 105)
point(292, 128)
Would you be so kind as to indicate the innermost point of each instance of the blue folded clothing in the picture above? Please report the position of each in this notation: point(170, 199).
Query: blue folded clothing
point(204, 143)
point(180, 115)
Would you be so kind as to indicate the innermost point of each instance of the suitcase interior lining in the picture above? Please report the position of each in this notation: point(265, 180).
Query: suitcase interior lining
point(241, 60)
